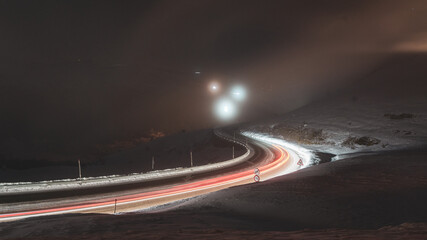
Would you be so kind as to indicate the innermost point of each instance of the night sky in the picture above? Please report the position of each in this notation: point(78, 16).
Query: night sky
point(78, 73)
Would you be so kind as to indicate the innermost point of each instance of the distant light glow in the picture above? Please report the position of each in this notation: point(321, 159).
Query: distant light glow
point(214, 87)
point(225, 109)
point(197, 73)
point(238, 93)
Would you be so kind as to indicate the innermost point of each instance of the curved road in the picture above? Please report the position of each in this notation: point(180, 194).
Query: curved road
point(269, 166)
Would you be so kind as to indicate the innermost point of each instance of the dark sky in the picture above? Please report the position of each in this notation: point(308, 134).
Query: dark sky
point(76, 73)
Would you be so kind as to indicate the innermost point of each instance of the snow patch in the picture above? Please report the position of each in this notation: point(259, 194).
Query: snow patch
point(304, 154)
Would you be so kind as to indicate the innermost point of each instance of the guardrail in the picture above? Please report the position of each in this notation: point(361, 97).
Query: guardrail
point(68, 184)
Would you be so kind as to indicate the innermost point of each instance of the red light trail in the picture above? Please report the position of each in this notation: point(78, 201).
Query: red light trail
point(196, 188)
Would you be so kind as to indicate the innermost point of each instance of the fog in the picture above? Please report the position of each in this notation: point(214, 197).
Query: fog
point(76, 74)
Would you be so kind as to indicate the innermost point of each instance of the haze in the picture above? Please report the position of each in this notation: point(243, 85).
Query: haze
point(74, 74)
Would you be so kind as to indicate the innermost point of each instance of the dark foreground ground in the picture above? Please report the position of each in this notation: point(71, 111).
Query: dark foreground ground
point(369, 197)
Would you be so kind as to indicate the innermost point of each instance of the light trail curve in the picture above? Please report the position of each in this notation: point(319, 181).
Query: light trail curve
point(144, 200)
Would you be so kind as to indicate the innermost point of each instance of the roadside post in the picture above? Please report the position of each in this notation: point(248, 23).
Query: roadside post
point(233, 151)
point(115, 205)
point(80, 169)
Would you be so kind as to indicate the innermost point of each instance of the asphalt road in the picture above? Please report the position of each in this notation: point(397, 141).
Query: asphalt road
point(270, 160)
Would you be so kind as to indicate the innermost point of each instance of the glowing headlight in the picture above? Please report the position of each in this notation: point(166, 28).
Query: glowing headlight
point(225, 109)
point(214, 87)
point(238, 93)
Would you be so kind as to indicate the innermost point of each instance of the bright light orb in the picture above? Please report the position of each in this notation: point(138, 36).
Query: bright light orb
point(238, 93)
point(214, 87)
point(225, 109)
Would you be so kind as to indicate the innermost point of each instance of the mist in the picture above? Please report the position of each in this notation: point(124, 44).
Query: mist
point(76, 74)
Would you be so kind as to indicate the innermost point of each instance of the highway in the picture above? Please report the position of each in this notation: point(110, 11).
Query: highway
point(270, 159)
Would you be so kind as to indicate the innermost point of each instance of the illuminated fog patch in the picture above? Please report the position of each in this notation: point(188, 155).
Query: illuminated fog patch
point(225, 109)
point(214, 87)
point(238, 93)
